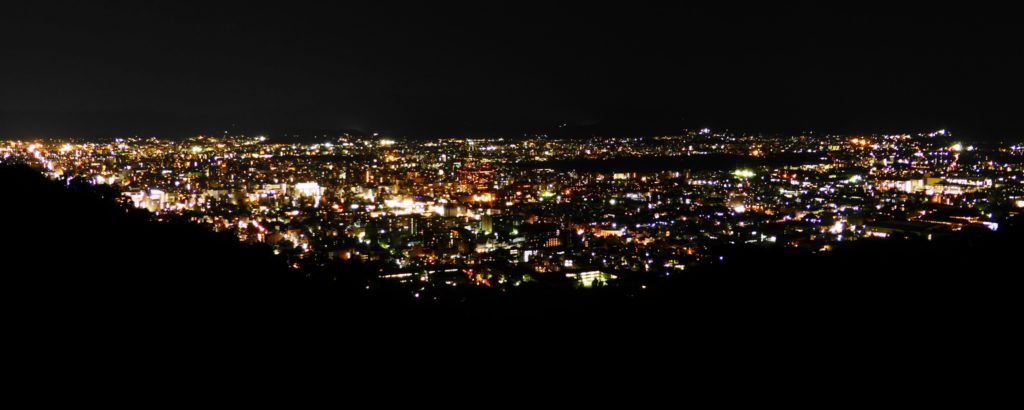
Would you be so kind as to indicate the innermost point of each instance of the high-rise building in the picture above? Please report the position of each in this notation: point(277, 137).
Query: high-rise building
point(487, 224)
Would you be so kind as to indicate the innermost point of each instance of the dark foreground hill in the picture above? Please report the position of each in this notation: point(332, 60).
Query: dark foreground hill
point(76, 235)
point(89, 285)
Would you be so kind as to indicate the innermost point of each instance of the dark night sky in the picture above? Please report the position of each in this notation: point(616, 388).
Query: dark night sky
point(174, 68)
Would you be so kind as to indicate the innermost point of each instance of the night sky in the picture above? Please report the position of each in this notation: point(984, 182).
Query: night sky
point(174, 68)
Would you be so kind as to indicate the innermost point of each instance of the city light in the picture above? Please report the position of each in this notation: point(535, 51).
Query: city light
point(411, 206)
point(743, 173)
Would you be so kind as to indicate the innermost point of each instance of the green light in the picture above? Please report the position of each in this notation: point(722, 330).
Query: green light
point(743, 173)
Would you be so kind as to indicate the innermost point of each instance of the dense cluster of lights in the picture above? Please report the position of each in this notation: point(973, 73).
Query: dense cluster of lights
point(501, 212)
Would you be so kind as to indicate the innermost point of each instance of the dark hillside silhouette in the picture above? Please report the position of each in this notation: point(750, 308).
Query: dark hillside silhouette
point(77, 256)
point(85, 235)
